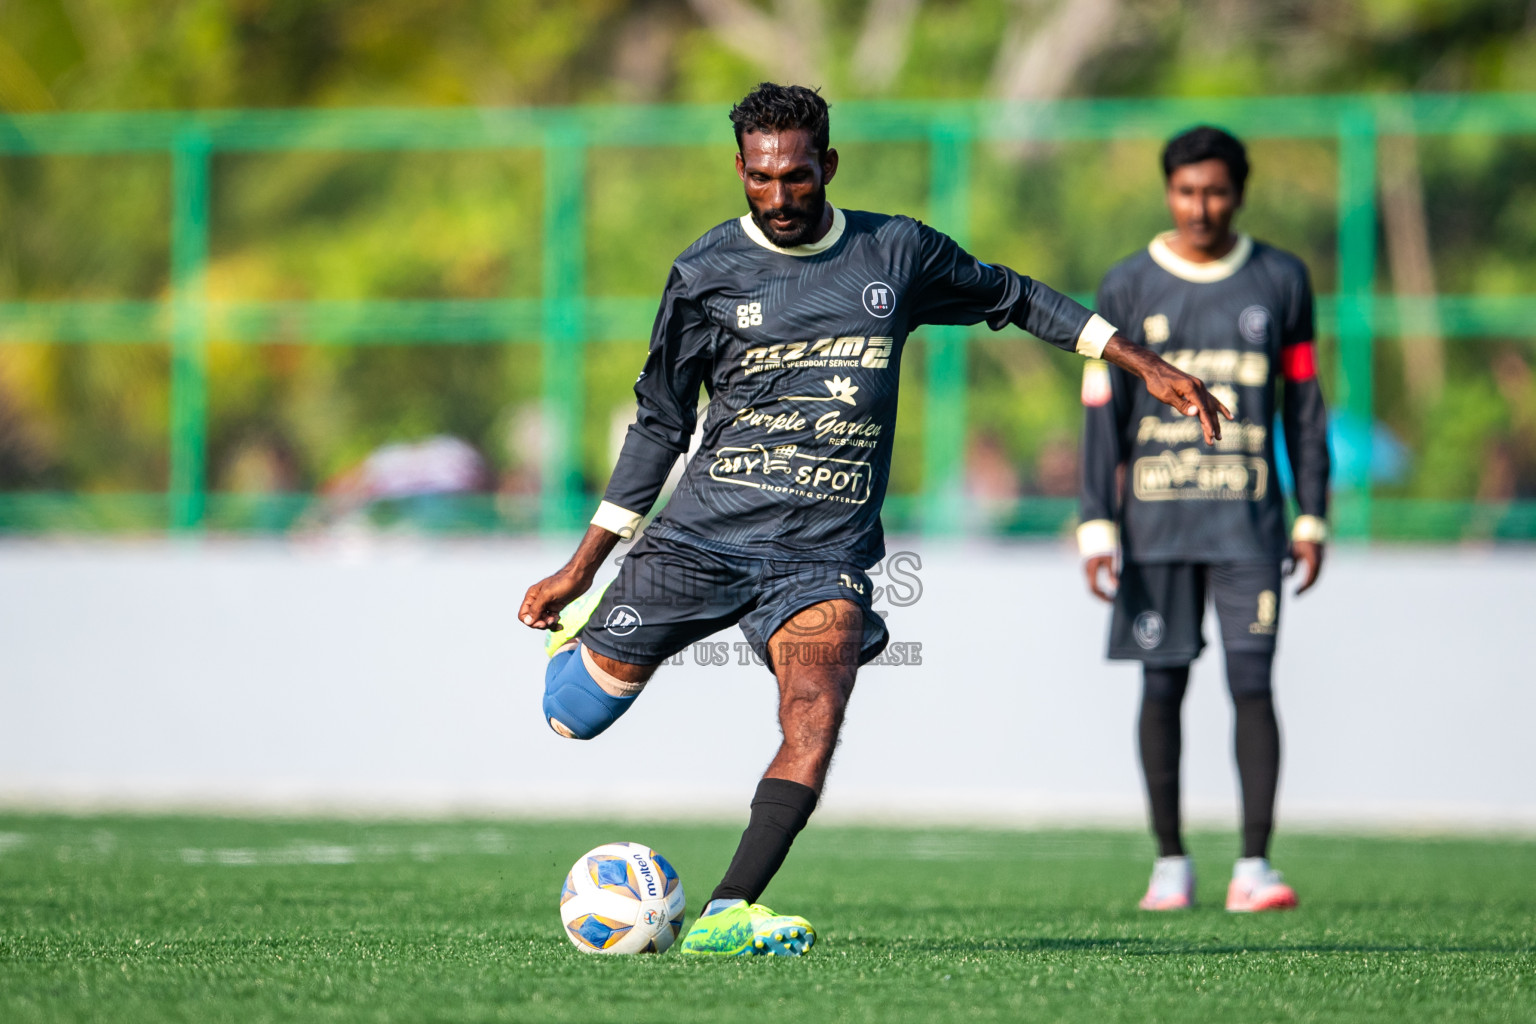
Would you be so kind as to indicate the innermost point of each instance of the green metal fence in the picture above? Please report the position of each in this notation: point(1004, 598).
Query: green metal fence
point(566, 316)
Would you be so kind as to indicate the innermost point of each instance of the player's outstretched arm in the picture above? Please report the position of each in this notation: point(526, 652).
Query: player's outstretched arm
point(544, 600)
point(1169, 385)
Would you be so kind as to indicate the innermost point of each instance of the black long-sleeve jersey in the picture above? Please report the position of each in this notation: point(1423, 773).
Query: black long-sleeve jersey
point(800, 352)
point(1241, 324)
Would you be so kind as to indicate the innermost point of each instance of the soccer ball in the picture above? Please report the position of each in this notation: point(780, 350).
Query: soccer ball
point(622, 898)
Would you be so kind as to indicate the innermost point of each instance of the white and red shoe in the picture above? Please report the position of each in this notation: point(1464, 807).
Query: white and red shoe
point(1172, 886)
point(1257, 886)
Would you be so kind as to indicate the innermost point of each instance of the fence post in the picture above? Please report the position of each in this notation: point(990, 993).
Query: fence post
point(191, 157)
point(944, 406)
point(1356, 303)
point(564, 333)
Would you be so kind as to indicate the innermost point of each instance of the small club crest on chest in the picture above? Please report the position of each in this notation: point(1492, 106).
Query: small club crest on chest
point(1253, 323)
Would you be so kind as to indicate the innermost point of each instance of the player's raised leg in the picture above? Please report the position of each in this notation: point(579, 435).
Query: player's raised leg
point(815, 656)
point(584, 692)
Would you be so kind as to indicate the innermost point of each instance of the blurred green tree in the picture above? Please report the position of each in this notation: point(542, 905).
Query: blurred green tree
point(1457, 214)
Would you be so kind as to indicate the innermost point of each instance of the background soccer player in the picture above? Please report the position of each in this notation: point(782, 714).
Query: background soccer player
point(1192, 518)
point(793, 318)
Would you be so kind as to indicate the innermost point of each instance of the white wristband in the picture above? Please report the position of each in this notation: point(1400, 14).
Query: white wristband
point(1094, 336)
point(1310, 528)
point(616, 520)
point(1098, 537)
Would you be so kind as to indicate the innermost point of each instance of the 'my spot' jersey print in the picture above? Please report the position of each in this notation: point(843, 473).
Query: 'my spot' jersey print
point(800, 353)
point(1243, 325)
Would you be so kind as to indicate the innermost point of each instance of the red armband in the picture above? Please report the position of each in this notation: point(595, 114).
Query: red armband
point(1299, 361)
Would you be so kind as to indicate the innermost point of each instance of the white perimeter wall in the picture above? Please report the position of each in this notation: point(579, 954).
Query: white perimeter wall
point(393, 677)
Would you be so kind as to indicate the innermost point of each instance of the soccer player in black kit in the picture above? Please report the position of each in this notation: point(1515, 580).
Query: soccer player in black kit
point(1192, 518)
point(793, 318)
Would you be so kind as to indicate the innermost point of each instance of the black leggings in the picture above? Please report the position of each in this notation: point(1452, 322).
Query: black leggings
point(1256, 739)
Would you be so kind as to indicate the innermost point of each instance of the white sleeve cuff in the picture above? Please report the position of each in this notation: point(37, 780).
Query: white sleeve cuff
point(1312, 528)
point(1098, 537)
point(1094, 336)
point(616, 520)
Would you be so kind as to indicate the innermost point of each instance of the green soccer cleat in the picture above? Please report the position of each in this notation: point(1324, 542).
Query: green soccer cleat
point(736, 929)
point(572, 617)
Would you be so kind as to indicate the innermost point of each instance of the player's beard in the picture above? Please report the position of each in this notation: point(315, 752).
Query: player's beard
point(806, 219)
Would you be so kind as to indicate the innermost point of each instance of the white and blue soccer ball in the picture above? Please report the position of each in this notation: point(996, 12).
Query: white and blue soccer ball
point(622, 898)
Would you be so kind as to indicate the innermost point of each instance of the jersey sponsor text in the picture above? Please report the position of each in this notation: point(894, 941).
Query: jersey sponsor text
point(1189, 475)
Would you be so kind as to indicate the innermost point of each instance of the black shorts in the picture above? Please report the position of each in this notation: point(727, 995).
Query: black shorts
point(669, 595)
point(1160, 605)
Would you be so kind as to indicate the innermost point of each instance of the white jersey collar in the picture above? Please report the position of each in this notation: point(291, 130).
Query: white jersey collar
point(1201, 273)
point(826, 241)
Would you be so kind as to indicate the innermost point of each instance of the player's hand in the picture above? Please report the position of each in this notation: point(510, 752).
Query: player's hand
point(544, 600)
point(1100, 565)
point(1168, 384)
point(1187, 394)
point(1310, 554)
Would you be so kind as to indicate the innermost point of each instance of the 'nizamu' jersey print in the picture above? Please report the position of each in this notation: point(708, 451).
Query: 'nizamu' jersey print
point(1242, 325)
point(800, 352)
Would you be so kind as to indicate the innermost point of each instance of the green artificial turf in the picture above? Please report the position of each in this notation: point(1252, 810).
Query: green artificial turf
point(128, 919)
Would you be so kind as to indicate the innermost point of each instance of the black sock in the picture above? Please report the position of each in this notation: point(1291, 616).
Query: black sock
point(1161, 736)
point(1256, 738)
point(780, 810)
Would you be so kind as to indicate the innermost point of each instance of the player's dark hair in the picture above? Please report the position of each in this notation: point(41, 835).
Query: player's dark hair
point(1206, 143)
point(770, 109)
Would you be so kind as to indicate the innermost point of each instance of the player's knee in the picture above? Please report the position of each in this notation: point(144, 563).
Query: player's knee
point(572, 723)
point(577, 703)
point(1250, 674)
point(580, 710)
point(1164, 684)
